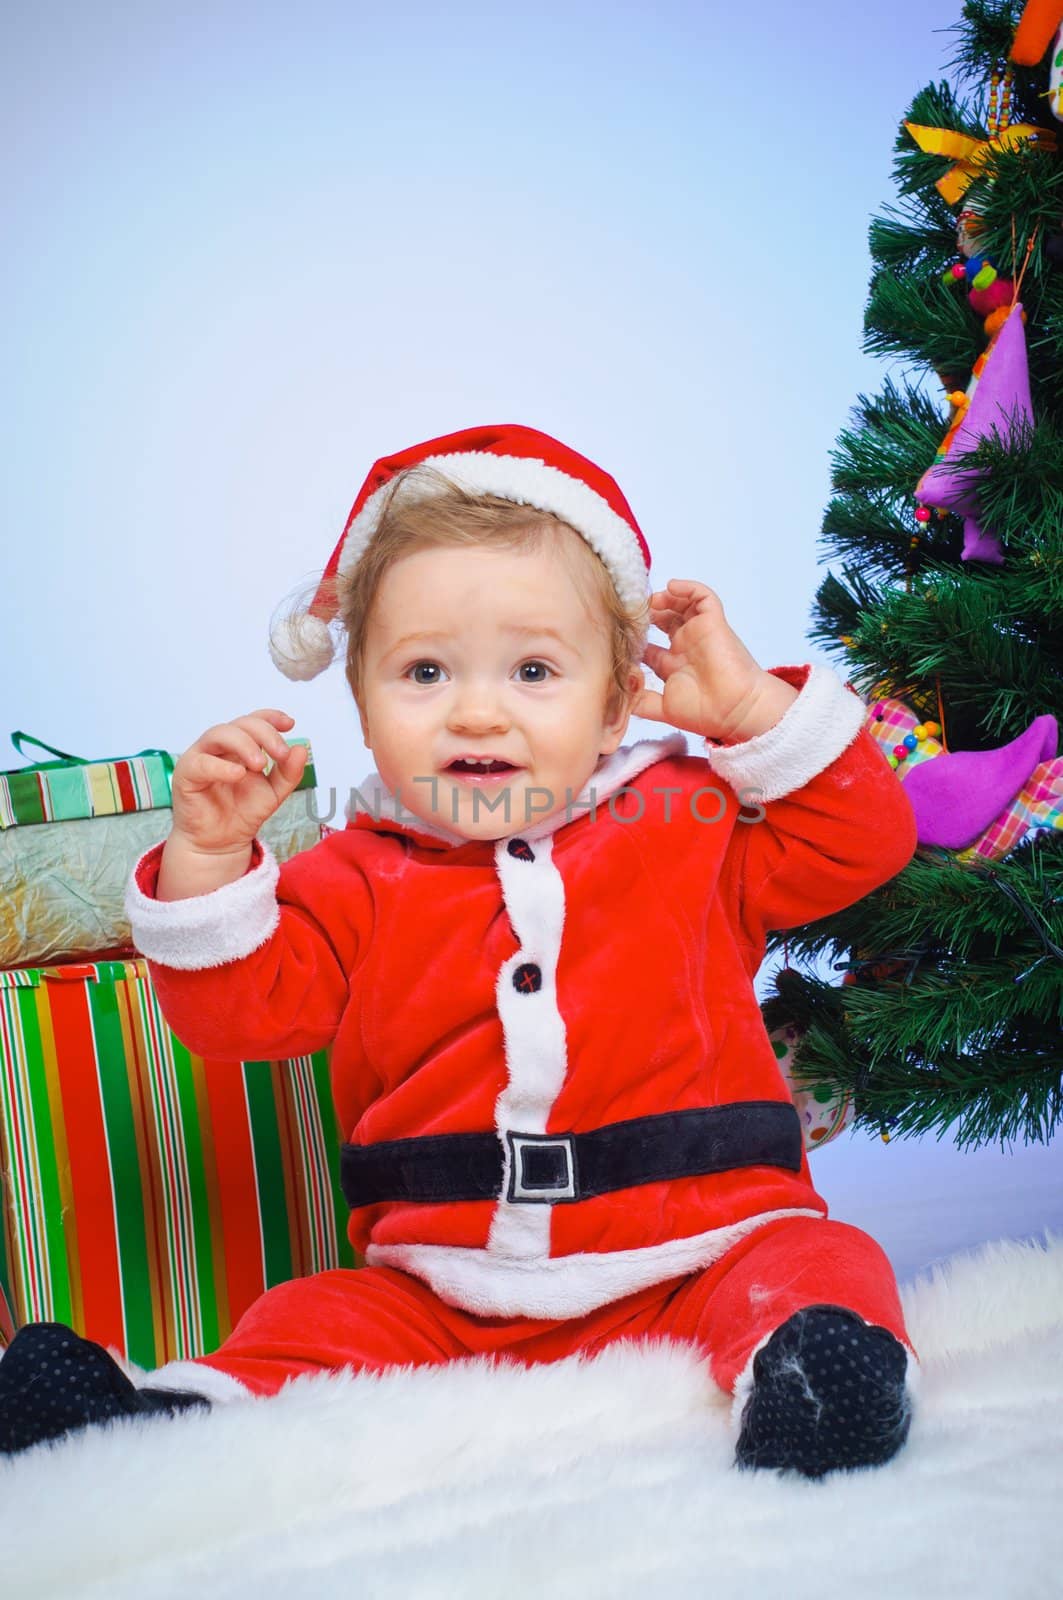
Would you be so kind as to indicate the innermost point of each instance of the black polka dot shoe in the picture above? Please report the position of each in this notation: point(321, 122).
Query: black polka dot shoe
point(53, 1382)
point(828, 1394)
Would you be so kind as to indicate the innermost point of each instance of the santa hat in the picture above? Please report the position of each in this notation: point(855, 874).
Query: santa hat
point(509, 461)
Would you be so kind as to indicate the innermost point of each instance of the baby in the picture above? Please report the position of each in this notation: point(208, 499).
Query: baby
point(531, 952)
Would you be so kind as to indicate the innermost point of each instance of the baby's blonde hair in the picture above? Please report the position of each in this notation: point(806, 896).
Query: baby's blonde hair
point(424, 509)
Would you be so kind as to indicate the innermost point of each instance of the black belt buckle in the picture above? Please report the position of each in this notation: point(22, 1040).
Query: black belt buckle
point(542, 1168)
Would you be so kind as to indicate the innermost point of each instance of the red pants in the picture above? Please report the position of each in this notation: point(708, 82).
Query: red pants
point(377, 1317)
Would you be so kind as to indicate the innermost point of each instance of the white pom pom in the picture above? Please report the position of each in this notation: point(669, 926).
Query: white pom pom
point(301, 646)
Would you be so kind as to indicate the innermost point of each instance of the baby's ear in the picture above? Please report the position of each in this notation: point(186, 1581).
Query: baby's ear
point(636, 683)
point(618, 705)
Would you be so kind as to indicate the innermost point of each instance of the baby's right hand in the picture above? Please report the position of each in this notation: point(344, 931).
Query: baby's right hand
point(221, 794)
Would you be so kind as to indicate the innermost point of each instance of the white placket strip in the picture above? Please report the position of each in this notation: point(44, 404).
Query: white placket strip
point(533, 1031)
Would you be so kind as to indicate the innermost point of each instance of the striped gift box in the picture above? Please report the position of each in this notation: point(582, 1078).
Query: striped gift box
point(7, 1320)
point(55, 791)
point(149, 1195)
point(70, 787)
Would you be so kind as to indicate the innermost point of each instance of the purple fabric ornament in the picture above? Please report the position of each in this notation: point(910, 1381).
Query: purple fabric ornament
point(958, 794)
point(1000, 398)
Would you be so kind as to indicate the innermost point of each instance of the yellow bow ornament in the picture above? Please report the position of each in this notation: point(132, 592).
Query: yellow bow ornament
point(971, 154)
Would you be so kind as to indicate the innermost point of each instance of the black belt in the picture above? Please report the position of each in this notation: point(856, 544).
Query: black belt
point(550, 1169)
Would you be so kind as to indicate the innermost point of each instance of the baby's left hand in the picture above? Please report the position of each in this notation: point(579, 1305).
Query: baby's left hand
point(711, 682)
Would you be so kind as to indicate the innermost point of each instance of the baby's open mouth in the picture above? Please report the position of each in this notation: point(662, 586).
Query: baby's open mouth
point(481, 768)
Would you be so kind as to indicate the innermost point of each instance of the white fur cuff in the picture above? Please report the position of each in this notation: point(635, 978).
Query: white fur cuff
point(812, 732)
point(195, 1378)
point(206, 930)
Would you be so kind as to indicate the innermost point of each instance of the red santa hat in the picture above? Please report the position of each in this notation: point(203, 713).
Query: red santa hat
point(510, 461)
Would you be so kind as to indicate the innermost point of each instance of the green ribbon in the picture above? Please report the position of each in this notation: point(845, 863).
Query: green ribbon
point(65, 758)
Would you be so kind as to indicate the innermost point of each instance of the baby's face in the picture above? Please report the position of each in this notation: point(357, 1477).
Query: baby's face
point(486, 679)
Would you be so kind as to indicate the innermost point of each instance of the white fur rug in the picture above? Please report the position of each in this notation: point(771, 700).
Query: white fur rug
point(597, 1479)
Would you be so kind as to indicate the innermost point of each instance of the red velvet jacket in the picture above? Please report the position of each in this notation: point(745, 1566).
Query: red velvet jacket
point(395, 942)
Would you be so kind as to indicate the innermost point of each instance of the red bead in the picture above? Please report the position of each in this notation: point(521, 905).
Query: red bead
point(900, 751)
point(922, 514)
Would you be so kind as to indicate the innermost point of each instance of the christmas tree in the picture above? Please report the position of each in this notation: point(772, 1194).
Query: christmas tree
point(947, 616)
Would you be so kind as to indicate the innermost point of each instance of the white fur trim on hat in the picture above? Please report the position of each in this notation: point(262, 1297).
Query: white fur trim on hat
point(301, 647)
point(527, 482)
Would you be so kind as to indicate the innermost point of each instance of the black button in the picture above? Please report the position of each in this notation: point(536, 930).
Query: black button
point(527, 978)
point(521, 849)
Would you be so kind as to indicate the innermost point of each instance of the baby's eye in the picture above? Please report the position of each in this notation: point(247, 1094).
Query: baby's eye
point(433, 666)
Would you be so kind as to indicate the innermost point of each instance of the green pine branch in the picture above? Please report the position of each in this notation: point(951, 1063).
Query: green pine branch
point(983, 35)
point(926, 321)
point(892, 436)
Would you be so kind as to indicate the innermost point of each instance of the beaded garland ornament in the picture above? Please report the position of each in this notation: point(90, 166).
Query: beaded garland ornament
point(915, 743)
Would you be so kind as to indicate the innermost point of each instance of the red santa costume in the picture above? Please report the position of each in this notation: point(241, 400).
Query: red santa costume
point(564, 1120)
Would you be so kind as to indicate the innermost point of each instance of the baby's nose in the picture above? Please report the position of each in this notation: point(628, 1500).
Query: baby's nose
point(477, 706)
